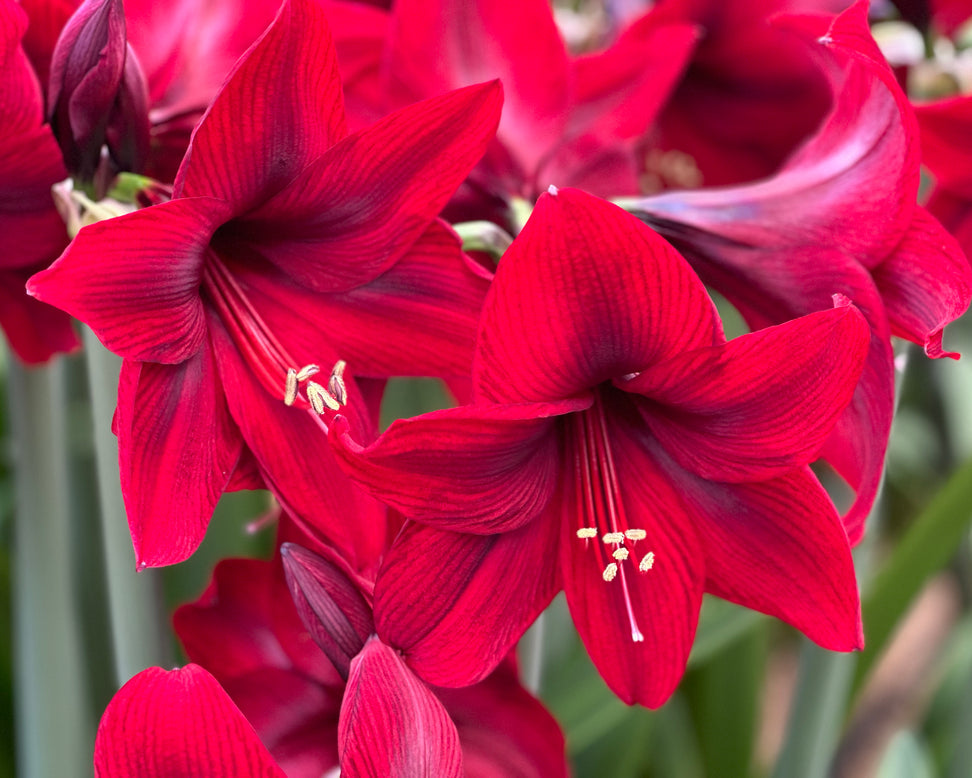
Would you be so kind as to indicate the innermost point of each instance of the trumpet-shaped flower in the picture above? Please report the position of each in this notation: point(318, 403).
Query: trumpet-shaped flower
point(287, 243)
point(619, 446)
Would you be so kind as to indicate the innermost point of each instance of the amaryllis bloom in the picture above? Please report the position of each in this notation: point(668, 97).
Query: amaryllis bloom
point(288, 244)
point(750, 95)
point(31, 232)
point(567, 119)
point(840, 216)
point(619, 446)
point(245, 631)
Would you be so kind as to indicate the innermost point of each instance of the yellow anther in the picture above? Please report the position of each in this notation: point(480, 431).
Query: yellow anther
point(610, 572)
point(336, 382)
point(647, 562)
point(635, 534)
point(320, 398)
point(620, 554)
point(613, 537)
point(307, 371)
point(290, 391)
point(586, 533)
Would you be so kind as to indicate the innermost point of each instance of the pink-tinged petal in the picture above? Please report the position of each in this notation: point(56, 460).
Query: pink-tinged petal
point(135, 279)
point(638, 626)
point(296, 461)
point(332, 606)
point(779, 547)
point(615, 298)
point(753, 408)
point(21, 104)
point(362, 205)
point(505, 732)
point(279, 110)
point(35, 331)
point(418, 318)
point(47, 19)
point(478, 468)
point(177, 448)
point(392, 724)
point(926, 283)
point(441, 45)
point(433, 584)
point(169, 724)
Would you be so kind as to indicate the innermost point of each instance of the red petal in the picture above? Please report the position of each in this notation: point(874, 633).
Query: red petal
point(280, 109)
point(391, 723)
point(753, 408)
point(661, 605)
point(478, 468)
point(135, 279)
point(433, 584)
point(35, 331)
point(926, 283)
point(349, 216)
point(418, 318)
point(586, 293)
point(779, 547)
point(177, 447)
point(177, 723)
point(440, 45)
point(335, 610)
point(504, 730)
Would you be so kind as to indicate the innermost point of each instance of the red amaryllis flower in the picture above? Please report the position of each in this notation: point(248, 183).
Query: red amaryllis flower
point(840, 216)
point(287, 243)
point(31, 232)
point(624, 448)
point(748, 98)
point(567, 119)
point(245, 631)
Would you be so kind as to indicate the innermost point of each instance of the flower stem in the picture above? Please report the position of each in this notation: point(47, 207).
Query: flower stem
point(55, 728)
point(135, 599)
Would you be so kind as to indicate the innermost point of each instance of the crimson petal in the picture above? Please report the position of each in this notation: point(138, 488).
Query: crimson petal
point(779, 547)
point(433, 584)
point(585, 293)
point(392, 724)
point(169, 724)
point(752, 408)
point(287, 80)
point(177, 448)
point(349, 216)
point(926, 284)
point(138, 309)
point(477, 468)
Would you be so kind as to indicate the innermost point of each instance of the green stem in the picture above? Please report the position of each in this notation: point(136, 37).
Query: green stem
point(55, 730)
point(531, 655)
point(135, 599)
point(483, 236)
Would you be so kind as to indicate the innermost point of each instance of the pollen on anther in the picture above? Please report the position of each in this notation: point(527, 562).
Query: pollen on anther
point(613, 537)
point(307, 371)
point(635, 534)
point(647, 562)
point(620, 554)
point(290, 391)
point(610, 572)
point(319, 398)
point(336, 382)
point(586, 533)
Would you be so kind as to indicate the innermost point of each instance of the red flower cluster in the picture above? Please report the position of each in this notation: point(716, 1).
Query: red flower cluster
point(614, 444)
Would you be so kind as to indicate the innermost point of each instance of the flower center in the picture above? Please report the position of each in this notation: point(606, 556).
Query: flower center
point(602, 510)
point(267, 357)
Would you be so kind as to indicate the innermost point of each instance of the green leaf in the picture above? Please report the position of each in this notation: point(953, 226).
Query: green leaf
point(906, 757)
point(926, 548)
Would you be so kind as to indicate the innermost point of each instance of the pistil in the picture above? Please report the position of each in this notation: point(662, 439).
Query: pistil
point(598, 494)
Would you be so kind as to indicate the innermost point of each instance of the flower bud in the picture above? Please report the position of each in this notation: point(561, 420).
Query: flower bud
point(98, 97)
